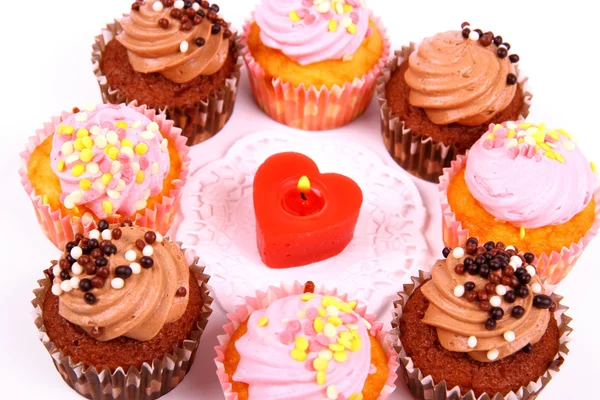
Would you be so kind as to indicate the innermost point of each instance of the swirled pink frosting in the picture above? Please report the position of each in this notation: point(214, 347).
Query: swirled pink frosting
point(529, 175)
point(268, 368)
point(302, 30)
point(110, 159)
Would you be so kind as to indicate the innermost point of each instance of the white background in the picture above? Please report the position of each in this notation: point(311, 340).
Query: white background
point(45, 68)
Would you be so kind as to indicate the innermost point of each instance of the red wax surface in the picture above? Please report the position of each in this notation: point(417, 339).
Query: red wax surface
point(286, 239)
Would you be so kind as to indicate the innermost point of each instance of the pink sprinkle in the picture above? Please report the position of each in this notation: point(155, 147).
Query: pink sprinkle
point(286, 337)
point(314, 346)
point(354, 3)
point(126, 170)
point(312, 313)
point(121, 133)
point(354, 17)
point(524, 149)
point(328, 15)
point(113, 184)
point(323, 340)
point(372, 369)
point(293, 326)
point(491, 127)
point(531, 152)
point(513, 152)
point(341, 397)
point(310, 19)
point(124, 158)
point(303, 12)
point(501, 133)
point(488, 144)
point(105, 165)
point(97, 157)
point(309, 364)
point(498, 142)
point(127, 179)
point(144, 163)
point(106, 125)
point(550, 139)
point(538, 157)
point(309, 330)
point(349, 318)
point(307, 3)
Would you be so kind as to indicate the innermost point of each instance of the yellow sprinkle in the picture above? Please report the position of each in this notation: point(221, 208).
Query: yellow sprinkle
point(85, 184)
point(106, 178)
point(321, 377)
point(139, 177)
point(353, 304)
point(335, 347)
point(332, 25)
point(340, 356)
point(355, 334)
point(78, 170)
point(356, 396)
point(121, 124)
point(524, 125)
point(107, 206)
point(352, 29)
point(347, 8)
point(60, 166)
point(307, 296)
point(564, 133)
point(344, 307)
point(45, 199)
point(491, 136)
point(264, 321)
point(356, 345)
point(554, 135)
point(550, 155)
point(496, 127)
point(539, 136)
point(141, 149)
point(545, 146)
point(82, 132)
point(301, 343)
point(322, 312)
point(60, 129)
point(68, 130)
point(319, 325)
point(320, 364)
point(87, 142)
point(294, 16)
point(511, 134)
point(522, 233)
point(327, 301)
point(345, 342)
point(86, 155)
point(113, 153)
point(335, 321)
point(593, 166)
point(298, 355)
point(346, 335)
point(126, 143)
point(559, 157)
point(521, 140)
point(78, 145)
point(542, 126)
point(108, 147)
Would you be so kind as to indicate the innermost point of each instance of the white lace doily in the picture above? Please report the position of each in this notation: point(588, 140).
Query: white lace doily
point(217, 223)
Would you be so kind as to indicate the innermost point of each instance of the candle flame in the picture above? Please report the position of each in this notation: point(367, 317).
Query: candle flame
point(304, 184)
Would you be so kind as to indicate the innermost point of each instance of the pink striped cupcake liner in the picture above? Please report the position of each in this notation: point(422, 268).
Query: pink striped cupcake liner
point(311, 108)
point(555, 266)
point(264, 299)
point(61, 228)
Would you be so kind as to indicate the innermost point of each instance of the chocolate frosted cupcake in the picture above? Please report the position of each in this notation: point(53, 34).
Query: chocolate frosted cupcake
point(175, 56)
point(482, 325)
point(439, 97)
point(122, 312)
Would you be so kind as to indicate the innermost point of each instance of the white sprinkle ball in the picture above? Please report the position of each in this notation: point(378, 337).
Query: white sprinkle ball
point(130, 255)
point(474, 35)
point(536, 288)
point(515, 262)
point(56, 290)
point(76, 268)
point(495, 301)
point(106, 234)
point(179, 4)
point(500, 290)
point(458, 252)
point(184, 46)
point(510, 248)
point(148, 251)
point(195, 6)
point(152, 127)
point(459, 291)
point(332, 311)
point(56, 270)
point(509, 336)
point(135, 268)
point(531, 270)
point(76, 252)
point(472, 342)
point(326, 354)
point(157, 6)
point(332, 392)
point(81, 117)
point(65, 286)
point(330, 330)
point(493, 354)
point(74, 281)
point(117, 283)
point(159, 237)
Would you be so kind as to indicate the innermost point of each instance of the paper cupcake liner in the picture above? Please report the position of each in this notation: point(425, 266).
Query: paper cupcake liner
point(555, 266)
point(61, 228)
point(311, 108)
point(199, 122)
point(264, 299)
point(151, 381)
point(420, 155)
point(424, 387)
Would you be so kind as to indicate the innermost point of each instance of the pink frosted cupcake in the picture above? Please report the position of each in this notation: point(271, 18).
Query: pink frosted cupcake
point(291, 343)
point(313, 65)
point(110, 162)
point(528, 185)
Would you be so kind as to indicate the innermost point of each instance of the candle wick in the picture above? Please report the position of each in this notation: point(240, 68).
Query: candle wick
point(303, 196)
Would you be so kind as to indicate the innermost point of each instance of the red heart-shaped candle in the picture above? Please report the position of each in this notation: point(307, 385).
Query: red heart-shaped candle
point(299, 226)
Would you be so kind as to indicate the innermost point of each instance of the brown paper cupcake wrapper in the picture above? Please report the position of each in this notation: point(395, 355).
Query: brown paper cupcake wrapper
point(420, 155)
point(273, 293)
point(199, 122)
point(424, 387)
point(151, 381)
